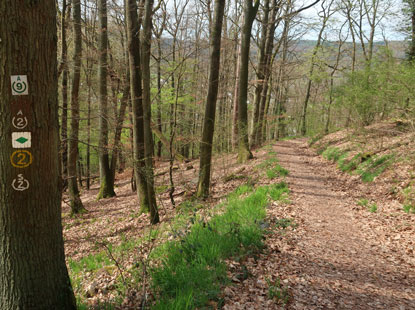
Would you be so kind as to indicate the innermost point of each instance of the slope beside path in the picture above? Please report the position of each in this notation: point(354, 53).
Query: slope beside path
point(337, 255)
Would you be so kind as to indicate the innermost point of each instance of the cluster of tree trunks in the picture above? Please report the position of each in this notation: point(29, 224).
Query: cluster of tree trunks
point(30, 214)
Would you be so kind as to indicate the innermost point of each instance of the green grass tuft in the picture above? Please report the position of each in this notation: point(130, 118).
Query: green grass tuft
point(284, 223)
point(333, 153)
point(278, 191)
point(363, 202)
point(373, 167)
point(366, 166)
point(278, 292)
point(348, 166)
point(409, 208)
point(193, 269)
point(373, 208)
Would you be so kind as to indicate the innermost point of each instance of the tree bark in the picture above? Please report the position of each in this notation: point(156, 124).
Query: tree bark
point(282, 80)
point(210, 112)
point(260, 74)
point(268, 62)
point(119, 126)
point(159, 120)
point(33, 274)
point(65, 73)
point(75, 200)
point(136, 102)
point(236, 94)
point(148, 137)
point(106, 184)
point(244, 152)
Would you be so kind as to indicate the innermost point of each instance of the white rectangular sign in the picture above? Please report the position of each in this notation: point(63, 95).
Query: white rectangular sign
point(19, 85)
point(21, 140)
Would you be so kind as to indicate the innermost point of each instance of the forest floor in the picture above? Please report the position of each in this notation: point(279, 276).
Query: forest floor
point(323, 250)
point(336, 255)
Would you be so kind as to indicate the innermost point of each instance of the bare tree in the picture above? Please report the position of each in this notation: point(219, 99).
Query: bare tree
point(210, 112)
point(250, 11)
point(326, 12)
point(106, 183)
point(75, 200)
point(148, 139)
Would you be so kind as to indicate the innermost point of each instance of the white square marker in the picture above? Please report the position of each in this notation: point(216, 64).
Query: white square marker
point(19, 85)
point(21, 140)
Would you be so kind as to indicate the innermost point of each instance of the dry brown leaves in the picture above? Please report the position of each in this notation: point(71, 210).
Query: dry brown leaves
point(340, 256)
point(114, 220)
point(336, 256)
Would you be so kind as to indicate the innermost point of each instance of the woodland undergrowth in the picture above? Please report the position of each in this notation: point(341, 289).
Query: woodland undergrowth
point(188, 271)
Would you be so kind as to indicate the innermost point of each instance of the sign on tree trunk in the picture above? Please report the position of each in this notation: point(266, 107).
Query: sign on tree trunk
point(33, 273)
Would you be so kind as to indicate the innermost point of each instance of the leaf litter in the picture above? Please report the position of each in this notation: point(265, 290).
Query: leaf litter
point(322, 250)
point(339, 255)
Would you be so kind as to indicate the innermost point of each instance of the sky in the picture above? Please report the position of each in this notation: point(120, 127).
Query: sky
point(388, 28)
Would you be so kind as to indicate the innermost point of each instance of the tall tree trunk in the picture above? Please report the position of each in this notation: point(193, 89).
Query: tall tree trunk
point(75, 200)
point(268, 63)
point(88, 147)
point(119, 125)
point(331, 90)
point(148, 137)
point(88, 79)
point(136, 102)
point(348, 12)
point(236, 92)
point(210, 112)
point(159, 120)
point(260, 73)
point(263, 135)
point(65, 73)
point(244, 152)
point(119, 113)
point(283, 85)
point(33, 274)
point(106, 183)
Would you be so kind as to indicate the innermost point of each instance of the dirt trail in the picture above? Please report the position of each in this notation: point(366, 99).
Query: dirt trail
point(335, 259)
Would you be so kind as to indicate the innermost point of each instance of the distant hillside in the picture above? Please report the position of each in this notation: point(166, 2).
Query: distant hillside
point(303, 46)
point(398, 47)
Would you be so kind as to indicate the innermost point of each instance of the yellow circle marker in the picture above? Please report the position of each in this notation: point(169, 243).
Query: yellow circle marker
point(21, 159)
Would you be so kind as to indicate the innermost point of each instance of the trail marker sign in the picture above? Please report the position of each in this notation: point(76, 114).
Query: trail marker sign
point(21, 140)
point(19, 121)
point(19, 85)
point(20, 183)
